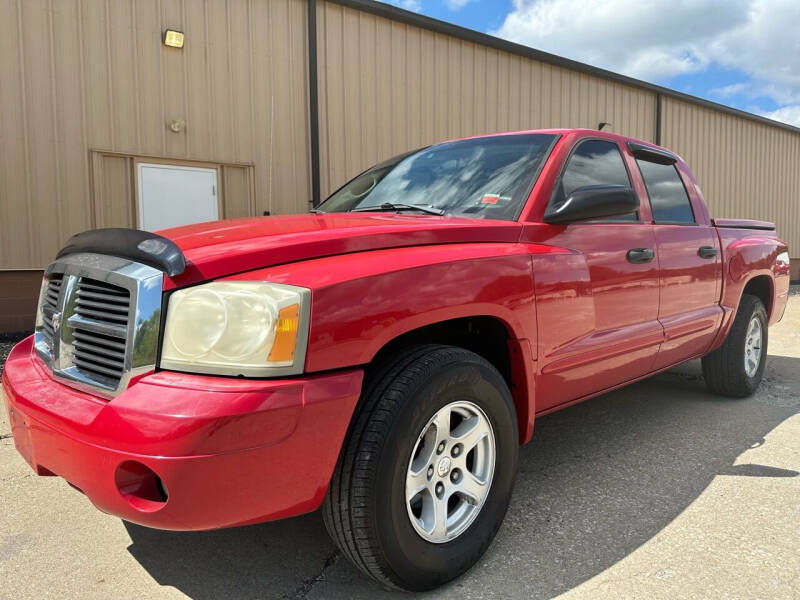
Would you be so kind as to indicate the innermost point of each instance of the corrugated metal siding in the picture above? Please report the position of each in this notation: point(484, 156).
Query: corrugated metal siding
point(746, 169)
point(387, 87)
point(236, 185)
point(113, 190)
point(82, 75)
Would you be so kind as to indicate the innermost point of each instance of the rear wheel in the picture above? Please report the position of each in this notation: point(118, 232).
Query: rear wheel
point(427, 469)
point(737, 367)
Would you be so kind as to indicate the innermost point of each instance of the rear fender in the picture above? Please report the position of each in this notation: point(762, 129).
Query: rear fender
point(746, 258)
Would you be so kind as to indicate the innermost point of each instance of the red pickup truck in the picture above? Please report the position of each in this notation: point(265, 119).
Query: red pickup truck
point(384, 357)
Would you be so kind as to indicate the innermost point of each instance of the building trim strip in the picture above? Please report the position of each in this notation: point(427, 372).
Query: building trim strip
point(313, 100)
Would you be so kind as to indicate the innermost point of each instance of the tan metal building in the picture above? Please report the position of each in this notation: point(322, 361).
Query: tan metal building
point(277, 102)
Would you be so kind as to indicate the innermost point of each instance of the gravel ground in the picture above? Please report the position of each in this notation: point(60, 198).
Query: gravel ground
point(659, 490)
point(7, 341)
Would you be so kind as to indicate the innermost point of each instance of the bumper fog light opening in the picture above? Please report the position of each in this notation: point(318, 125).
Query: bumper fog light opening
point(140, 486)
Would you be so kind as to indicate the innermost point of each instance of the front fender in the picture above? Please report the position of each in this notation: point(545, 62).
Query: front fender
point(361, 302)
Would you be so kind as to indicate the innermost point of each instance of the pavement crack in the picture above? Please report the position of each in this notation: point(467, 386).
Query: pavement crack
point(4, 436)
point(304, 589)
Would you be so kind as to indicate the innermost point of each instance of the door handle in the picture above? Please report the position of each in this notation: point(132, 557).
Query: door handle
point(640, 255)
point(707, 251)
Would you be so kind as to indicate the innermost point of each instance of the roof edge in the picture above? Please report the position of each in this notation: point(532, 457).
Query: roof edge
point(411, 18)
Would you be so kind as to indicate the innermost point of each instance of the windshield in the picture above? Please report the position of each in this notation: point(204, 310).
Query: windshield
point(488, 178)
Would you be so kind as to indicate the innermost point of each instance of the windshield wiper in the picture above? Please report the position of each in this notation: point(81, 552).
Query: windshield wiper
point(394, 206)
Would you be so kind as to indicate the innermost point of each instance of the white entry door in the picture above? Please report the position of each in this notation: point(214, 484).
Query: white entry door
point(171, 195)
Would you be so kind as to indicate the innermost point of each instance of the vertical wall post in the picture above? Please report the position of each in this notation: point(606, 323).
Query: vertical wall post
point(313, 99)
point(658, 119)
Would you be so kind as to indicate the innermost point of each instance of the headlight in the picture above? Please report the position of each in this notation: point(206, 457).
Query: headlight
point(250, 328)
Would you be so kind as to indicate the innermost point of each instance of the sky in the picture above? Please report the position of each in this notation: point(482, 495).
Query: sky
point(741, 53)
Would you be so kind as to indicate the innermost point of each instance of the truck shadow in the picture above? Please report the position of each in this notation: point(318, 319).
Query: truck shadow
point(597, 481)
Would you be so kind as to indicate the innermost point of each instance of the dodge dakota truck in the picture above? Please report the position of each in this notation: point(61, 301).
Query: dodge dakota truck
point(384, 357)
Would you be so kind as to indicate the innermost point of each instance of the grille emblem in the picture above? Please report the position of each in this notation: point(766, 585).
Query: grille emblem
point(56, 320)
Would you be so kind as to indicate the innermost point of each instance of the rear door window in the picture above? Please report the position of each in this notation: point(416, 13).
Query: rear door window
point(668, 198)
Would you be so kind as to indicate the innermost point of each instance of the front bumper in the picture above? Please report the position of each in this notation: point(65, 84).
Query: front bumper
point(184, 452)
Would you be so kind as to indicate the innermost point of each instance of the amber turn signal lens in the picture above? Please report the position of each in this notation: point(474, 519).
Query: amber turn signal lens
point(285, 334)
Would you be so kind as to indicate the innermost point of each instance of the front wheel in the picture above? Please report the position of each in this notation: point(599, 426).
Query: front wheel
point(736, 368)
point(427, 470)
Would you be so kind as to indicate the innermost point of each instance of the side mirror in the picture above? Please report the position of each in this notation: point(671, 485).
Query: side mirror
point(593, 202)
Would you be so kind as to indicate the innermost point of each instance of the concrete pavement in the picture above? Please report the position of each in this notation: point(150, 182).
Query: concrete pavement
point(658, 490)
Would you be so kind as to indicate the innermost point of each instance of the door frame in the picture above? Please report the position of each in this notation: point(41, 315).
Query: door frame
point(112, 202)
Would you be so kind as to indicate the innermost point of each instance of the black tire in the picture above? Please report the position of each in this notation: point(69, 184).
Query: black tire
point(723, 369)
point(365, 508)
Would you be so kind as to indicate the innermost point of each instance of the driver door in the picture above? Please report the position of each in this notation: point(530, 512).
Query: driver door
point(597, 306)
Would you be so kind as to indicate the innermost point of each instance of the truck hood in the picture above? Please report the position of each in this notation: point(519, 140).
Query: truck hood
point(221, 248)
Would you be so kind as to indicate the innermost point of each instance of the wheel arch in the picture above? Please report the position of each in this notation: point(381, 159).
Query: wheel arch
point(760, 286)
point(487, 336)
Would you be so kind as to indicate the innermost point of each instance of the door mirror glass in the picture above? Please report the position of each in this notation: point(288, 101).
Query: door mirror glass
point(593, 202)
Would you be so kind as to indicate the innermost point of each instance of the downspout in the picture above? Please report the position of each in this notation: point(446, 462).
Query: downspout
point(658, 119)
point(313, 99)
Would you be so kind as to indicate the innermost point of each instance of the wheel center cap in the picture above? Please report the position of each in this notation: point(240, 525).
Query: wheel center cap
point(443, 468)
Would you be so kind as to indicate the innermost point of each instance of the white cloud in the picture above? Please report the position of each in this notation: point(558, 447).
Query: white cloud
point(787, 114)
point(647, 39)
point(657, 39)
point(456, 5)
point(731, 90)
point(767, 47)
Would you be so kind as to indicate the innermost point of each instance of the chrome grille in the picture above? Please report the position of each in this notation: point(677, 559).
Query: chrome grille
point(102, 301)
point(49, 304)
point(97, 354)
point(99, 321)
